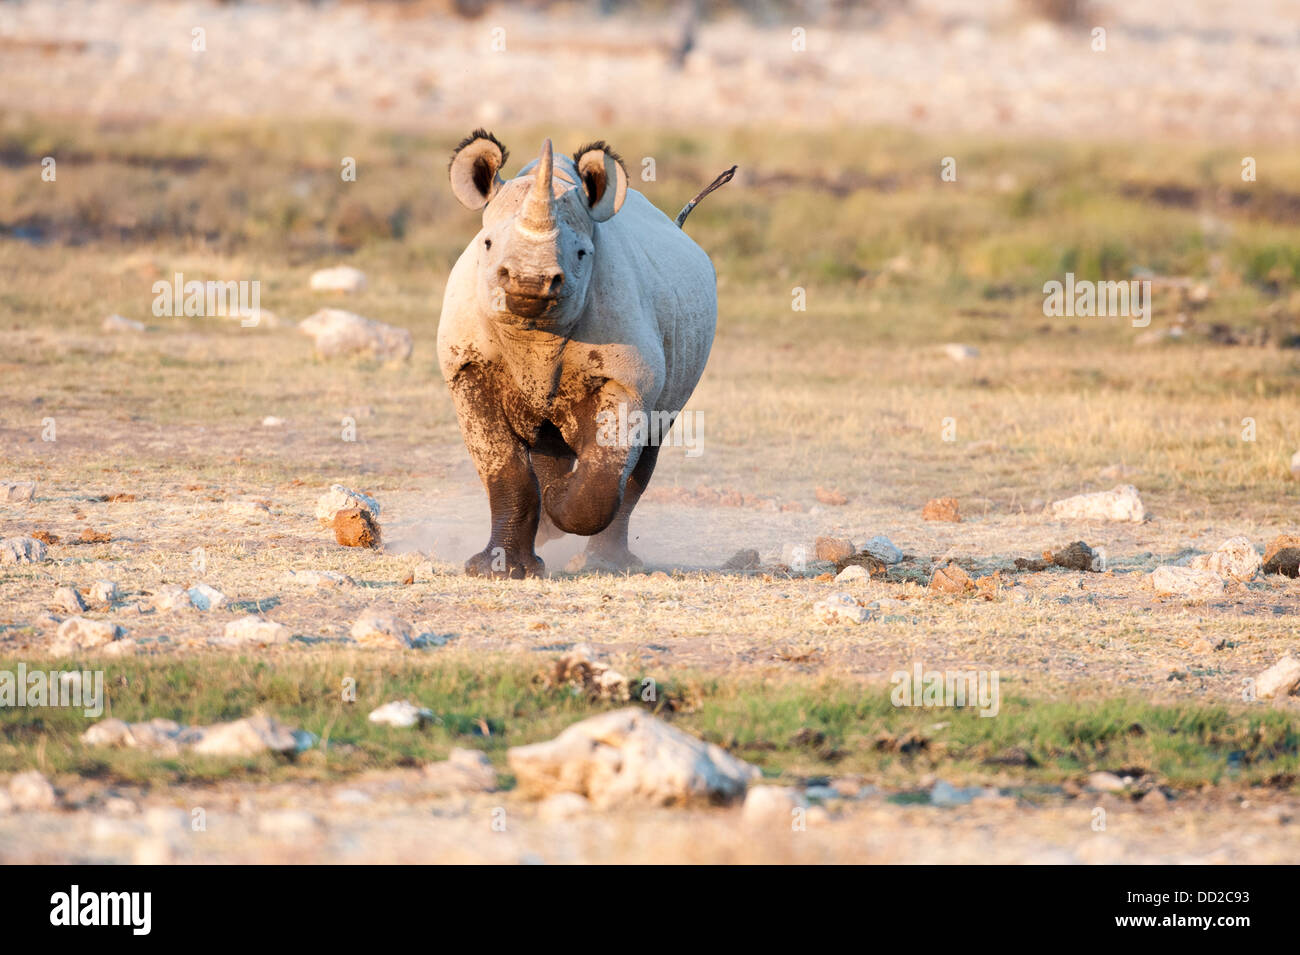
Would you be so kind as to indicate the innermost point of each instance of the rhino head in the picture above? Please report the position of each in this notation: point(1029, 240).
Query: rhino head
point(536, 251)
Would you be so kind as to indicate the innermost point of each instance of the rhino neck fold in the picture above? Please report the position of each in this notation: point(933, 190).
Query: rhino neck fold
point(532, 356)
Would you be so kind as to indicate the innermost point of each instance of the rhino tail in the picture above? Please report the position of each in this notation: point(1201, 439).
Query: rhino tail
point(718, 183)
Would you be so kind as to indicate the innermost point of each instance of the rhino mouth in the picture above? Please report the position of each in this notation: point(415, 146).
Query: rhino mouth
point(530, 306)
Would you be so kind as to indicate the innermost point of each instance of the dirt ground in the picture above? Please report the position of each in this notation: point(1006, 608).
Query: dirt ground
point(162, 454)
point(389, 821)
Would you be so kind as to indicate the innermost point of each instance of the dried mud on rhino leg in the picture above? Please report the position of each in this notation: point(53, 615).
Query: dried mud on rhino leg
point(610, 545)
point(501, 460)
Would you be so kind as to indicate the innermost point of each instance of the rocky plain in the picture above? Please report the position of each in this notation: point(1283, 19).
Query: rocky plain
point(250, 525)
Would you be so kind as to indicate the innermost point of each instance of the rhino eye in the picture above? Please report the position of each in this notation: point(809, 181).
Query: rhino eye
point(487, 243)
point(581, 253)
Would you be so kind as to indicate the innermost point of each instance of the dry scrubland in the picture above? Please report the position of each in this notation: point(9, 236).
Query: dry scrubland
point(160, 449)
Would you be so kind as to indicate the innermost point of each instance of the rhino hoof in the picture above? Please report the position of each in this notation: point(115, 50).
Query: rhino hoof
point(493, 562)
point(609, 562)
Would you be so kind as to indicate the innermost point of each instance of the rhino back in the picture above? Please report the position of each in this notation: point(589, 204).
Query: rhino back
point(653, 289)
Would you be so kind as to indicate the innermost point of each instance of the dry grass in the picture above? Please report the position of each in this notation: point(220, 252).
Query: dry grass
point(851, 394)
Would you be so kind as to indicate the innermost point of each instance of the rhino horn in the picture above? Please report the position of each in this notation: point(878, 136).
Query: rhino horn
point(538, 213)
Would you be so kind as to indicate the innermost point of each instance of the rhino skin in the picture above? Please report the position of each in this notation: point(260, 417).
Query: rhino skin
point(576, 297)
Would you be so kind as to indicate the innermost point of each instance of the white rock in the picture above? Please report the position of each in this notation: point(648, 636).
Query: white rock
point(1120, 504)
point(31, 790)
point(380, 628)
point(1281, 679)
point(118, 324)
point(21, 550)
point(206, 598)
point(339, 498)
point(340, 278)
point(17, 492)
point(87, 634)
point(840, 608)
point(271, 421)
point(851, 573)
point(959, 352)
point(1235, 558)
point(772, 807)
point(340, 333)
point(161, 735)
point(170, 597)
point(1106, 782)
point(401, 713)
point(796, 556)
point(255, 629)
point(883, 549)
point(246, 737)
point(316, 578)
point(67, 600)
point(1172, 581)
point(629, 756)
point(103, 594)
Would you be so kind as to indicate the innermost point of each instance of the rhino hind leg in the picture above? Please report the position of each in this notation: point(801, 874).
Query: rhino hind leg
point(609, 548)
point(551, 458)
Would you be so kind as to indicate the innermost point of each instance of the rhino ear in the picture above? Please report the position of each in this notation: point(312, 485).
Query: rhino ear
point(474, 168)
point(603, 179)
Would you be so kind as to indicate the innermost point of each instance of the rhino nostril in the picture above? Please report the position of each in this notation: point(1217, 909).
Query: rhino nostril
point(554, 285)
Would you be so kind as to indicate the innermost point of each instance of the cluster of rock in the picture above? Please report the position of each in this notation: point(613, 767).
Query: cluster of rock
point(1208, 575)
point(245, 737)
point(21, 550)
point(580, 670)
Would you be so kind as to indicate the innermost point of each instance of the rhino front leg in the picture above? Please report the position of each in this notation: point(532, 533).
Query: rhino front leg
point(501, 460)
point(586, 500)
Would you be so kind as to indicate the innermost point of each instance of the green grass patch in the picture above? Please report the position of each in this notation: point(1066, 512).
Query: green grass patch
point(792, 726)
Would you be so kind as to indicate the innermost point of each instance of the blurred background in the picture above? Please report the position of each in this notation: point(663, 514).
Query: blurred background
point(1115, 141)
point(1202, 68)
